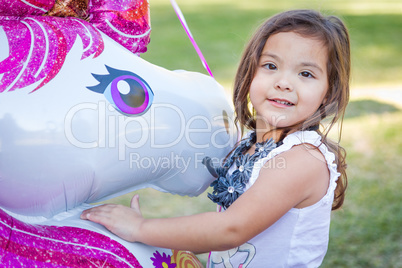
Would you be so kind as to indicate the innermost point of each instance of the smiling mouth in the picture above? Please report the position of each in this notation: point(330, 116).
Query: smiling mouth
point(282, 102)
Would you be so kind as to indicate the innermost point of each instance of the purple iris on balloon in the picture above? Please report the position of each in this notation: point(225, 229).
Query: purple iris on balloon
point(126, 91)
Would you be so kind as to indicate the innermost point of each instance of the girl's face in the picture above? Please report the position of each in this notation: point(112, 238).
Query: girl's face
point(290, 82)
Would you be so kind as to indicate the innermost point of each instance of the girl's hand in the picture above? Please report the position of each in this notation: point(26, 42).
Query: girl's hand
point(120, 220)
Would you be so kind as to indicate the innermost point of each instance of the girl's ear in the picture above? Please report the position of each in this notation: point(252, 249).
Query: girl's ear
point(325, 100)
point(321, 109)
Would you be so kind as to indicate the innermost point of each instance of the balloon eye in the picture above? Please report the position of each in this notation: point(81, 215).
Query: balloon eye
point(131, 94)
point(123, 87)
point(126, 91)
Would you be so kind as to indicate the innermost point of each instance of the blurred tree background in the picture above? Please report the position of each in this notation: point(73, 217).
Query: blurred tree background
point(366, 232)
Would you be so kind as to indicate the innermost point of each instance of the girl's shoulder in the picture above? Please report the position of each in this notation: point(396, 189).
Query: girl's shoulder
point(302, 155)
point(310, 141)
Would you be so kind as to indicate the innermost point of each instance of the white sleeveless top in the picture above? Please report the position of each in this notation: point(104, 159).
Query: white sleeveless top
point(300, 237)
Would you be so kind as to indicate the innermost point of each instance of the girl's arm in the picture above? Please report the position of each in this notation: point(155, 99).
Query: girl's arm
point(301, 179)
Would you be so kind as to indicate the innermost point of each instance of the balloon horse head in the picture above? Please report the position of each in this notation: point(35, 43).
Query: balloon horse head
point(83, 118)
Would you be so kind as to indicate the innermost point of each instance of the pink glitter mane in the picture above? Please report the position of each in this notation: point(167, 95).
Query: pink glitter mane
point(38, 45)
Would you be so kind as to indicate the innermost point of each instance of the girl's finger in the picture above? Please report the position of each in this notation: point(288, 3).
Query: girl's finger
point(135, 203)
point(98, 209)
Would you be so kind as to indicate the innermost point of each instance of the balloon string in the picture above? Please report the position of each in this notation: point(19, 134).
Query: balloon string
point(190, 36)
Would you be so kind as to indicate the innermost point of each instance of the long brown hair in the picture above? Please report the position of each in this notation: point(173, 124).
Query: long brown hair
point(333, 33)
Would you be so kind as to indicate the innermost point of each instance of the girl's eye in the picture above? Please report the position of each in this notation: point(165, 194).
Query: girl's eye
point(306, 74)
point(270, 66)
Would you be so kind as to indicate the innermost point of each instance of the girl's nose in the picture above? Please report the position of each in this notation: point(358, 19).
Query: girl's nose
point(283, 84)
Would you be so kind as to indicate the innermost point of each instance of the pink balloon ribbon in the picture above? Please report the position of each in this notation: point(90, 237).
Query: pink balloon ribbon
point(190, 36)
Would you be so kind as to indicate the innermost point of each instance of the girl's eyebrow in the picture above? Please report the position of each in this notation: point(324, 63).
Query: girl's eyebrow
point(267, 54)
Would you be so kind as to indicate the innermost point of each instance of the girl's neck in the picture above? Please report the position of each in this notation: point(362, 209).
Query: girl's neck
point(265, 131)
point(263, 135)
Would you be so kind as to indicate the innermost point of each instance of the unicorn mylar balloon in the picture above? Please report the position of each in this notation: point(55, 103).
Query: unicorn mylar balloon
point(83, 119)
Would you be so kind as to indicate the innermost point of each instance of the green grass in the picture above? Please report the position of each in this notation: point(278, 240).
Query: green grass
point(366, 232)
point(221, 29)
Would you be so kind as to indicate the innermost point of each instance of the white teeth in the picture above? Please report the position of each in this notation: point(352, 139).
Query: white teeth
point(283, 102)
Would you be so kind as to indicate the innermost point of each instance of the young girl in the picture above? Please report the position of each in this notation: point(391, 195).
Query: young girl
point(278, 186)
